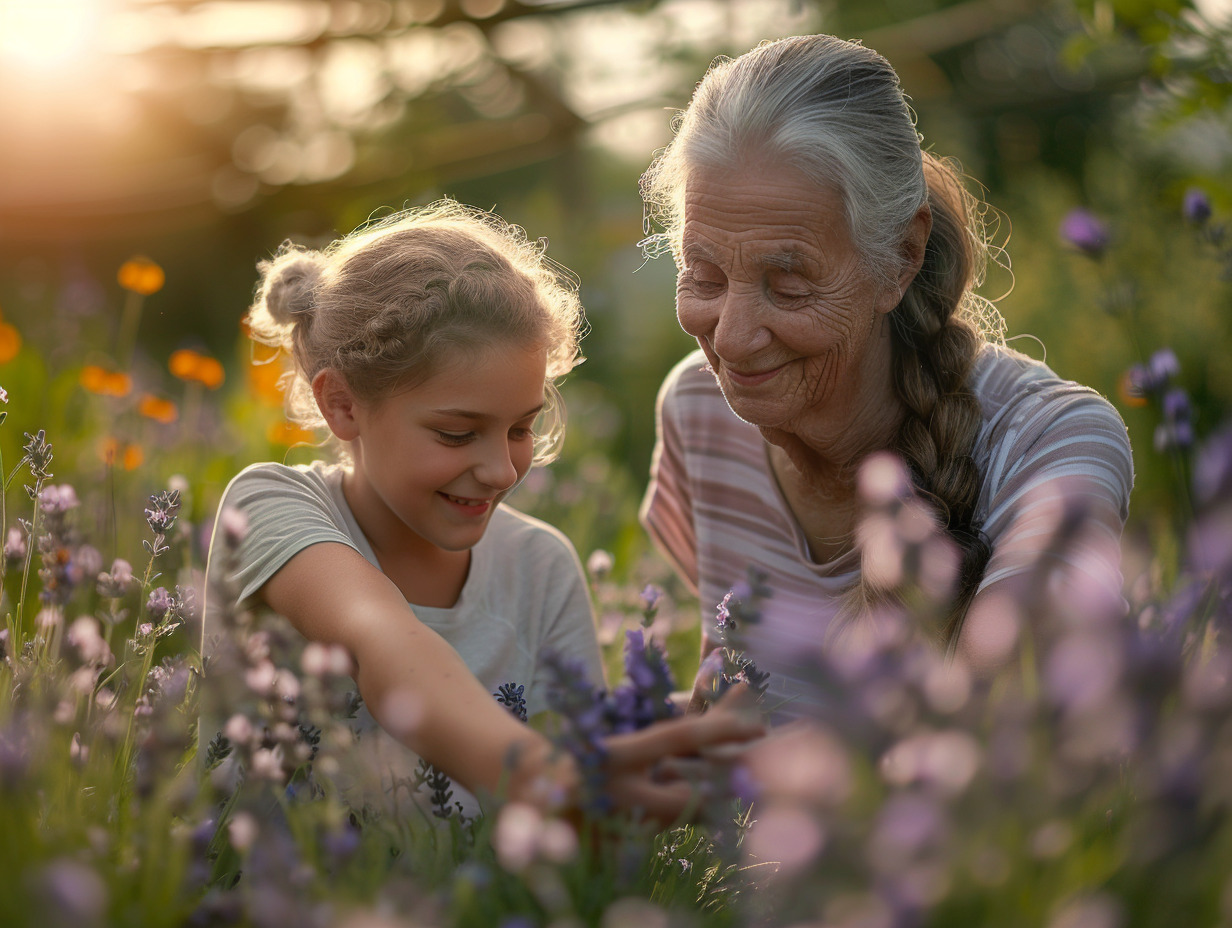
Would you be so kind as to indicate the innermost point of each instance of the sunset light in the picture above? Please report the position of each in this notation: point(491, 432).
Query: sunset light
point(48, 34)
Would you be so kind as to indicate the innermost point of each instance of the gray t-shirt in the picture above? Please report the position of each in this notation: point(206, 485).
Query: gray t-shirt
point(525, 595)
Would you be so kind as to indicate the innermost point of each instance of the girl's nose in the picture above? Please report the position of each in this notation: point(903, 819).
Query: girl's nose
point(496, 468)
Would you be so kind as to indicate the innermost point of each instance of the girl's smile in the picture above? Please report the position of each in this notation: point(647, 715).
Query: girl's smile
point(432, 462)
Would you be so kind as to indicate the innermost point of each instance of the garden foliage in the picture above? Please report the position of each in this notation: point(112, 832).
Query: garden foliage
point(1086, 784)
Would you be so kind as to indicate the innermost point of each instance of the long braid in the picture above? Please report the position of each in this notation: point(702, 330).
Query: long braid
point(934, 351)
point(835, 110)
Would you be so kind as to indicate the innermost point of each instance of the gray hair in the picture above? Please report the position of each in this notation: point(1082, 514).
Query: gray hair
point(834, 111)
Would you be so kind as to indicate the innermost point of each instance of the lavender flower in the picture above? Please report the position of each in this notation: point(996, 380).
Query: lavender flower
point(511, 697)
point(1086, 232)
point(14, 544)
point(57, 499)
point(38, 455)
point(159, 603)
point(162, 511)
point(650, 597)
point(1155, 375)
point(1196, 206)
point(117, 582)
point(581, 707)
point(441, 791)
point(1176, 429)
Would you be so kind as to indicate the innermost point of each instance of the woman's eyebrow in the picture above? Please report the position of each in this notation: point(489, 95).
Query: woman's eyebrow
point(783, 260)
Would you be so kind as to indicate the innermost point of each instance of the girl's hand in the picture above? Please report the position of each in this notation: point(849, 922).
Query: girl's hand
point(660, 771)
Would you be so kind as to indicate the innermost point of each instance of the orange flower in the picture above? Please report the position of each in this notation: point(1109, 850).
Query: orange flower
point(141, 275)
point(158, 409)
point(265, 370)
point(121, 454)
point(104, 382)
point(187, 364)
point(1129, 395)
point(287, 433)
point(10, 342)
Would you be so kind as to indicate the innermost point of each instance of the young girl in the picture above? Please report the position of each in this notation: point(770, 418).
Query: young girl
point(429, 345)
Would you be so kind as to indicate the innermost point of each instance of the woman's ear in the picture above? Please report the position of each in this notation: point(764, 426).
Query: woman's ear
point(337, 403)
point(915, 241)
point(914, 244)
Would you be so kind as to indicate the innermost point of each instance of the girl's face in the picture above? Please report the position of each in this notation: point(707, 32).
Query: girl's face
point(431, 463)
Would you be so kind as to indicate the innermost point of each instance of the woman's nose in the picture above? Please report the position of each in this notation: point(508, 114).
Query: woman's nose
point(739, 330)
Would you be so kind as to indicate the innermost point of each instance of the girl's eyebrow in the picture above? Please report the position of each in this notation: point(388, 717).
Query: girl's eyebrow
point(484, 416)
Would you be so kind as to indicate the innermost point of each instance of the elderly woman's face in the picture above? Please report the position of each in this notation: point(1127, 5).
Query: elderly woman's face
point(775, 293)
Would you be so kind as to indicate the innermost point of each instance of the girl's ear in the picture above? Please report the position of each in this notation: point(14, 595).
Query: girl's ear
point(337, 403)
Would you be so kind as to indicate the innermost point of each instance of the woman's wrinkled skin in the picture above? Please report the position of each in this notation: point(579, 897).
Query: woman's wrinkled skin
point(791, 319)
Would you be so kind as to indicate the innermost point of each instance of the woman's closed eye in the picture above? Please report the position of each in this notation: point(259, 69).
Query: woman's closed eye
point(787, 286)
point(454, 438)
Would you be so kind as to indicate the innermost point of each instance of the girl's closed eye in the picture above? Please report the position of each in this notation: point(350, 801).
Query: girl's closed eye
point(454, 438)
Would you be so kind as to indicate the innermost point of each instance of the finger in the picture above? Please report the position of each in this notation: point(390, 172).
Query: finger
point(739, 696)
point(664, 803)
point(680, 736)
point(693, 769)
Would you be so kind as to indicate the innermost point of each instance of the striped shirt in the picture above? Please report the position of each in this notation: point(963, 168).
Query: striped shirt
point(715, 510)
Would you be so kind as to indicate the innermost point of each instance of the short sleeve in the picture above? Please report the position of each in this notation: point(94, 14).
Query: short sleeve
point(286, 509)
point(667, 508)
point(1070, 458)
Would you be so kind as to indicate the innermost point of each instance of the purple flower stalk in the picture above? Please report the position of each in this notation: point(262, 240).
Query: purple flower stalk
point(162, 511)
point(1086, 232)
point(58, 499)
point(512, 697)
point(1155, 375)
point(1196, 206)
point(159, 603)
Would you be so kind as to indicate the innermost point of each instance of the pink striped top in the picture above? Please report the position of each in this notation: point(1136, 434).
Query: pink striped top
point(715, 510)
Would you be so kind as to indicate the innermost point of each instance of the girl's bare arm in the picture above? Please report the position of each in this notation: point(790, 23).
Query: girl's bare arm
point(421, 692)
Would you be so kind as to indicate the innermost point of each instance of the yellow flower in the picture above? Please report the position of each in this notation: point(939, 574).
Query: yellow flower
point(158, 409)
point(287, 433)
point(103, 382)
point(10, 342)
point(141, 275)
point(187, 364)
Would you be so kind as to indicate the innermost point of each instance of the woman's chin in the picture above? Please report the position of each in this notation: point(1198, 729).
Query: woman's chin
point(764, 414)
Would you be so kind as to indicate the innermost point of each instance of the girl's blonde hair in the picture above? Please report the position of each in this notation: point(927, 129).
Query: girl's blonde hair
point(390, 304)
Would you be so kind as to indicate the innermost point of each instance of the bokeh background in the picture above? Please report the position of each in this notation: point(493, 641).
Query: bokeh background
point(153, 151)
point(202, 133)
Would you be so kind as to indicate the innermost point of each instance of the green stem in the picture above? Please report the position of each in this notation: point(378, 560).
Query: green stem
point(126, 337)
point(25, 573)
point(147, 660)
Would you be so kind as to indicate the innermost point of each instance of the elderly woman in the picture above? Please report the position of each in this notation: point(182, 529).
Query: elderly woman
point(826, 267)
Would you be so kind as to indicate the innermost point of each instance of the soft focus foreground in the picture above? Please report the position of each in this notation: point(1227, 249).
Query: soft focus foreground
point(1084, 784)
point(1087, 784)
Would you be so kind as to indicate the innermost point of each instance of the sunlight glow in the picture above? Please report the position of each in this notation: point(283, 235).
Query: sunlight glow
point(47, 34)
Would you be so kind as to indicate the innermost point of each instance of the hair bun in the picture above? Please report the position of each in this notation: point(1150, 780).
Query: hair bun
point(290, 286)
